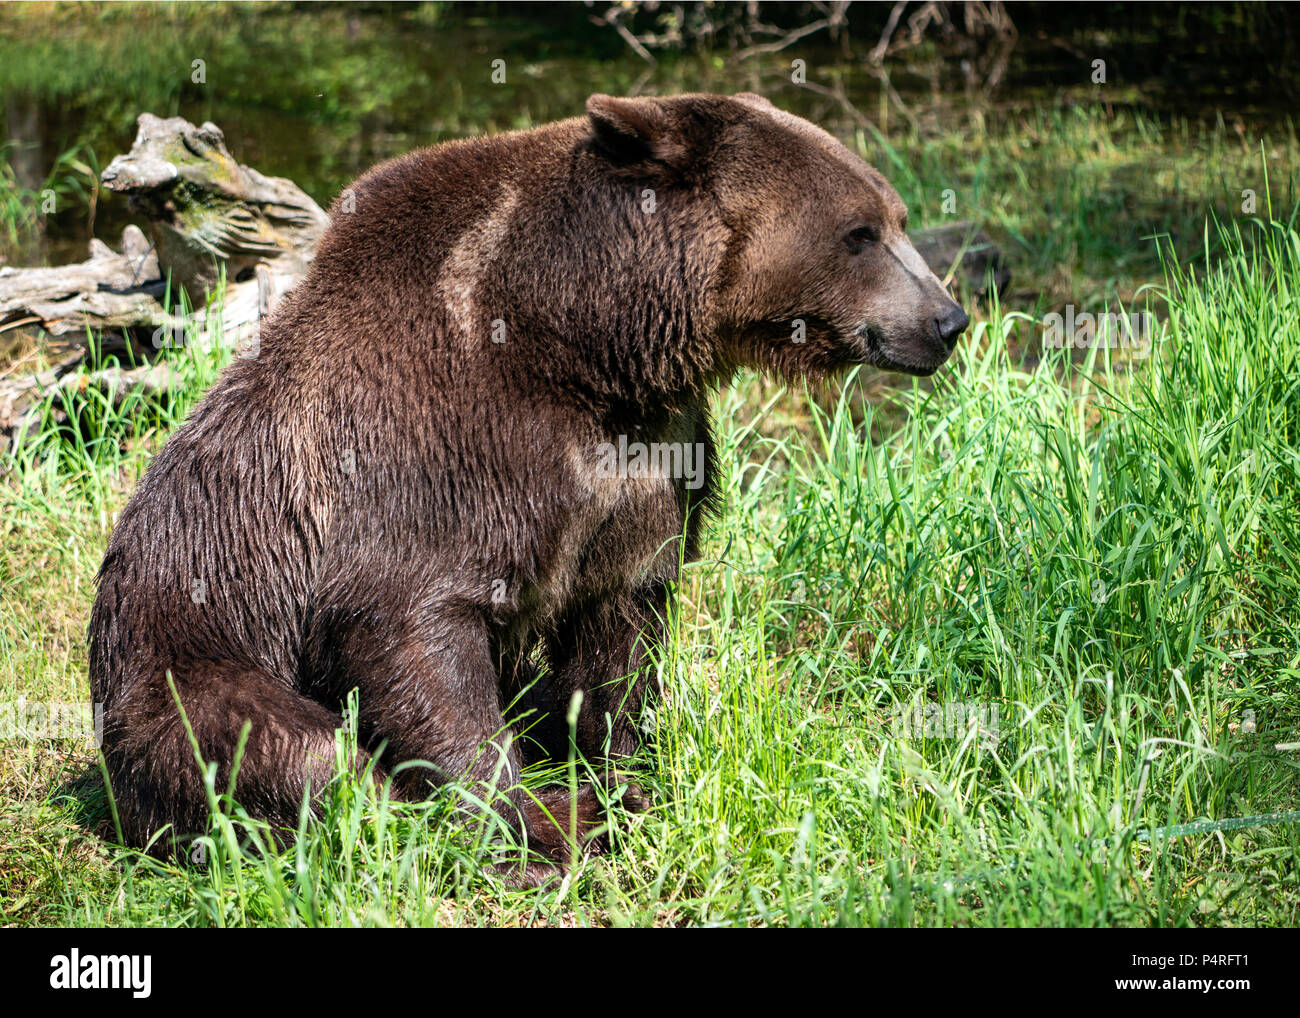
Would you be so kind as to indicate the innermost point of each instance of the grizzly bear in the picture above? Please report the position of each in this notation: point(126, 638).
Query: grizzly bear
point(471, 451)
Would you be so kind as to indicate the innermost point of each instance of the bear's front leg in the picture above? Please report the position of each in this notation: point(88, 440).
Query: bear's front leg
point(598, 649)
point(433, 695)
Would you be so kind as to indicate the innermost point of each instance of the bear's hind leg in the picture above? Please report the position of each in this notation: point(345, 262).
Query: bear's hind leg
point(156, 780)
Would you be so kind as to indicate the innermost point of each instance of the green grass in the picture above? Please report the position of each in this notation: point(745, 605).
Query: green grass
point(1077, 194)
point(1101, 558)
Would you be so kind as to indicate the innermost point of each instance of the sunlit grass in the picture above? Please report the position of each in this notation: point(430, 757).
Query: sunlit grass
point(1079, 195)
point(1096, 561)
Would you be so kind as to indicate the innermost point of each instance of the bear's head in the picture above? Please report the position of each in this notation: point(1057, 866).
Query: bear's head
point(807, 262)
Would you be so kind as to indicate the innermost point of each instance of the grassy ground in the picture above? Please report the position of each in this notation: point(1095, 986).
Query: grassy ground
point(951, 648)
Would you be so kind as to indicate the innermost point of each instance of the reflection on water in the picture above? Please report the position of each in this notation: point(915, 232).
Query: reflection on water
point(319, 94)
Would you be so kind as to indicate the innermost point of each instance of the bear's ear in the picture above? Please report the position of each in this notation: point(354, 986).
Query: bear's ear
point(636, 132)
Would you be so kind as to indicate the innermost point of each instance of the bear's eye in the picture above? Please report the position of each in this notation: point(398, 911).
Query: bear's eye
point(860, 238)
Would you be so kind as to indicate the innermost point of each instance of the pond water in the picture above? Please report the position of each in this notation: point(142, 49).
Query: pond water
point(318, 93)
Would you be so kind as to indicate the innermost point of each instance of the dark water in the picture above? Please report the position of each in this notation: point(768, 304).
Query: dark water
point(318, 93)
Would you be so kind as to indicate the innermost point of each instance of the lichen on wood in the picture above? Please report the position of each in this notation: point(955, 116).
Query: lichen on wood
point(207, 213)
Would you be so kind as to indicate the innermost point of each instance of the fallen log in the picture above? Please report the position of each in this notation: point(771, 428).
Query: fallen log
point(22, 402)
point(214, 226)
point(966, 251)
point(208, 215)
point(108, 291)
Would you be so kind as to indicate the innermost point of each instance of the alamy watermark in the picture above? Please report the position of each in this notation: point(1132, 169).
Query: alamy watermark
point(77, 971)
point(28, 720)
point(952, 720)
point(1114, 330)
point(244, 338)
point(670, 460)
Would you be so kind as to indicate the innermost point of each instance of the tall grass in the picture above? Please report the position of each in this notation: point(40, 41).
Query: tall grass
point(937, 672)
point(1079, 192)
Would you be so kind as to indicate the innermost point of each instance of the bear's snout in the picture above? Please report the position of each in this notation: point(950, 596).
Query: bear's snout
point(918, 344)
point(912, 322)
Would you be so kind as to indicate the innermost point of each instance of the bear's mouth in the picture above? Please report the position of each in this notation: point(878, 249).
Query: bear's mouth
point(873, 348)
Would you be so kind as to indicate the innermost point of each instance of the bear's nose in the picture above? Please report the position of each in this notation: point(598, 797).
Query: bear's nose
point(951, 325)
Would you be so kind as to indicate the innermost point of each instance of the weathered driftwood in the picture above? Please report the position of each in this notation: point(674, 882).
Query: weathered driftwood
point(209, 217)
point(107, 291)
point(19, 397)
point(206, 212)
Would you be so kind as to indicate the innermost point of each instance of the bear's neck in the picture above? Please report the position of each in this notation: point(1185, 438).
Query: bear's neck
point(616, 309)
